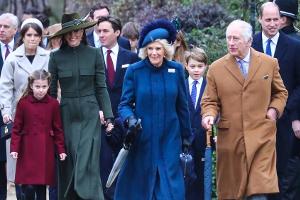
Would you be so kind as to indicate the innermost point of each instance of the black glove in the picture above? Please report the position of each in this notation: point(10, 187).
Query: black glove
point(186, 145)
point(134, 126)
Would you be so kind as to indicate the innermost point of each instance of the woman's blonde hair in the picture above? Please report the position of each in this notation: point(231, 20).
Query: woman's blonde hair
point(169, 50)
point(40, 74)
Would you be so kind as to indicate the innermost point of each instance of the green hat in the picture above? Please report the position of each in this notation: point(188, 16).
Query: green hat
point(72, 22)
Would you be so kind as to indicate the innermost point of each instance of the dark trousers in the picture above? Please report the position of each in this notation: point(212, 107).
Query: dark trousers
point(3, 181)
point(34, 192)
point(53, 193)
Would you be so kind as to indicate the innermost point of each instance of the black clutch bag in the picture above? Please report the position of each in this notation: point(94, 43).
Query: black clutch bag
point(6, 131)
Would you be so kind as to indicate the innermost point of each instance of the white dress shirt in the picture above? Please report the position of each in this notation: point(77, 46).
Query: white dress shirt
point(273, 43)
point(96, 40)
point(198, 86)
point(246, 61)
point(10, 47)
point(113, 54)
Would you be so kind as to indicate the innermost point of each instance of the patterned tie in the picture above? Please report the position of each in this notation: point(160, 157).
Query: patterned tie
point(194, 93)
point(268, 47)
point(110, 69)
point(7, 51)
point(242, 67)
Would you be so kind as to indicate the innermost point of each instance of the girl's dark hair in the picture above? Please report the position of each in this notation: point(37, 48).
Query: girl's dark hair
point(64, 42)
point(24, 31)
point(40, 74)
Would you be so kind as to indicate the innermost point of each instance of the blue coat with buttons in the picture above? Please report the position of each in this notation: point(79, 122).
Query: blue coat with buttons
point(159, 97)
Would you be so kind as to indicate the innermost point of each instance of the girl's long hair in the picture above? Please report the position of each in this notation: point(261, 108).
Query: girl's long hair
point(40, 74)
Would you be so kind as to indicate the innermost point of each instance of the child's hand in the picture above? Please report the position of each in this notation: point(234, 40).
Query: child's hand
point(14, 155)
point(62, 156)
point(109, 127)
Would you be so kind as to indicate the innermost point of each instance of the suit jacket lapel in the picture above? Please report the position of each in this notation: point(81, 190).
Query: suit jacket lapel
point(1, 61)
point(232, 66)
point(120, 60)
point(258, 44)
point(253, 66)
point(281, 46)
point(190, 102)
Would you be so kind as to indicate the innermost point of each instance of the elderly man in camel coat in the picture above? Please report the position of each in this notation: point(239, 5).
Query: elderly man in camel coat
point(245, 89)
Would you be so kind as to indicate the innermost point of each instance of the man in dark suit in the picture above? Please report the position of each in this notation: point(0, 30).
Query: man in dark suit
point(117, 59)
point(288, 15)
point(277, 44)
point(8, 29)
point(97, 11)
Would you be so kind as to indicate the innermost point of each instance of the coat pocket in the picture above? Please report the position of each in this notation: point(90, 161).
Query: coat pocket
point(87, 72)
point(223, 124)
point(65, 74)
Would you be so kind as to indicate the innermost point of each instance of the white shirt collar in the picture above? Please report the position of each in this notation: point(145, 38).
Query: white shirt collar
point(114, 50)
point(246, 59)
point(96, 39)
point(274, 38)
point(10, 44)
point(10, 47)
point(191, 81)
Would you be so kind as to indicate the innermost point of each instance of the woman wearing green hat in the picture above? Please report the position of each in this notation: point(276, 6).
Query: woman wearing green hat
point(80, 72)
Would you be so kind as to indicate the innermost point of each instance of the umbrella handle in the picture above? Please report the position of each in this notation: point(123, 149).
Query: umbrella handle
point(208, 135)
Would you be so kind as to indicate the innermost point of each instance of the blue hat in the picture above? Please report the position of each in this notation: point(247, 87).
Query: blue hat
point(158, 29)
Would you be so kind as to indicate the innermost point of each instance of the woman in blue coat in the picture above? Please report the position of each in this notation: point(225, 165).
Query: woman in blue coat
point(154, 90)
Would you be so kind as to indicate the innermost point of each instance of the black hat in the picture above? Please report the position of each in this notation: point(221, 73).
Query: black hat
point(288, 8)
point(72, 22)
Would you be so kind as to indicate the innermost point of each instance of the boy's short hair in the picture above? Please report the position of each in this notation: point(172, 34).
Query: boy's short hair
point(197, 54)
point(131, 30)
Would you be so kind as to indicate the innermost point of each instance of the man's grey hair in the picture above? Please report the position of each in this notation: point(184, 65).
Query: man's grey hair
point(245, 28)
point(13, 19)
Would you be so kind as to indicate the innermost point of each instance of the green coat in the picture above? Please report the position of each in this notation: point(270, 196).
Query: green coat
point(81, 75)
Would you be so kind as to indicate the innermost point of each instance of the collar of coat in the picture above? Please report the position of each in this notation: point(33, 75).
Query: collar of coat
point(254, 64)
point(32, 99)
point(20, 51)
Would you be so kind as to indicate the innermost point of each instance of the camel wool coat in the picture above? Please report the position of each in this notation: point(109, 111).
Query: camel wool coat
point(246, 156)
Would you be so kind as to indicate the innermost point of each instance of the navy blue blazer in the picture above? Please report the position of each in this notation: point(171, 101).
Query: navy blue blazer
point(124, 58)
point(195, 190)
point(287, 53)
point(122, 41)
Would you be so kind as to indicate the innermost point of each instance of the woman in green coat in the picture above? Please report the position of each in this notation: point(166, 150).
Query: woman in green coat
point(80, 71)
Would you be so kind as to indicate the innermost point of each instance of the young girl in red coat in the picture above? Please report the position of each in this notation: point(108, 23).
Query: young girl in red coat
point(36, 132)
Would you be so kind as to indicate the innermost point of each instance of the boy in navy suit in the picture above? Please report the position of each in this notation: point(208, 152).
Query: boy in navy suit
point(196, 66)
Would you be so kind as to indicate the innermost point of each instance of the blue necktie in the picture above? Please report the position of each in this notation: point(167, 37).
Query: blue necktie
point(194, 93)
point(268, 47)
point(242, 67)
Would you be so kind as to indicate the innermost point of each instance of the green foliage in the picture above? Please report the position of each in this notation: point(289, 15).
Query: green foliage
point(211, 39)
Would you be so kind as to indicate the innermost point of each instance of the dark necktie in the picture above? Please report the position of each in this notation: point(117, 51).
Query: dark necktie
point(110, 69)
point(242, 67)
point(194, 93)
point(7, 51)
point(268, 47)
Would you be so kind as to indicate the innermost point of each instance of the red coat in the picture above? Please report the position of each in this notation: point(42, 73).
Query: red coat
point(37, 130)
